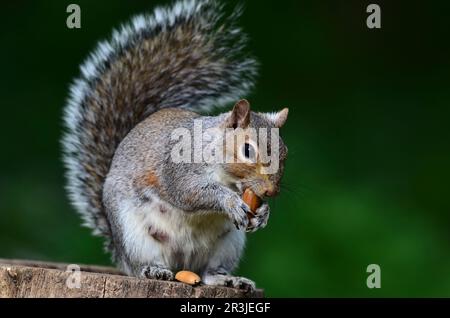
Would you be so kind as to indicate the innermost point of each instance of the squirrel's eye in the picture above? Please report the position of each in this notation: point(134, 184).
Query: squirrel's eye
point(249, 151)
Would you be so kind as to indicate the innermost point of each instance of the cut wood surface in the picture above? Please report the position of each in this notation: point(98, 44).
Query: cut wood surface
point(19, 279)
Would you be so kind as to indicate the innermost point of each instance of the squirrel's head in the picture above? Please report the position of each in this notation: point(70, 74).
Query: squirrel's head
point(256, 157)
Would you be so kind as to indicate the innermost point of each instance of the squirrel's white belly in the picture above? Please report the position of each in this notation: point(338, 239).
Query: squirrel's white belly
point(157, 233)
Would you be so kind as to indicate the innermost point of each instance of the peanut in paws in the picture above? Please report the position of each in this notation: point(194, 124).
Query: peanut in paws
point(252, 200)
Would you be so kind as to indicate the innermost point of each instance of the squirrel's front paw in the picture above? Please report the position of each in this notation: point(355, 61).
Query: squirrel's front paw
point(237, 210)
point(156, 272)
point(260, 219)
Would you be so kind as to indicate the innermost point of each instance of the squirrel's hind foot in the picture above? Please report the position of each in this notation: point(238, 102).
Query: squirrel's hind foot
point(156, 272)
point(230, 281)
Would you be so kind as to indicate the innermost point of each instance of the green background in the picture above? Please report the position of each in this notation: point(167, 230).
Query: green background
point(367, 178)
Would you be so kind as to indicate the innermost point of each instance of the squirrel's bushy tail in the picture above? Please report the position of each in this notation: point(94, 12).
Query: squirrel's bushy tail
point(189, 55)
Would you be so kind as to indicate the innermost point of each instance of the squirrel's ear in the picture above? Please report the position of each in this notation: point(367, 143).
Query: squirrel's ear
point(240, 115)
point(280, 118)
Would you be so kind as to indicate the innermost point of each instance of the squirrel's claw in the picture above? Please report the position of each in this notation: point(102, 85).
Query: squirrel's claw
point(260, 219)
point(237, 212)
point(241, 224)
point(246, 208)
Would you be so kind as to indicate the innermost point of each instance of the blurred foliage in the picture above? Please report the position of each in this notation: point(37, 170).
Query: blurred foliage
point(368, 169)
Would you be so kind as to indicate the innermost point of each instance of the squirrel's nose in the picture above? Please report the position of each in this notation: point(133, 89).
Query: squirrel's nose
point(272, 192)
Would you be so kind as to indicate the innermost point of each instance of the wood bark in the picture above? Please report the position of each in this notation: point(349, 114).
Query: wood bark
point(31, 279)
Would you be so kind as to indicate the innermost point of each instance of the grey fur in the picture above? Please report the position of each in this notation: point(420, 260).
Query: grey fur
point(188, 55)
point(153, 76)
point(202, 222)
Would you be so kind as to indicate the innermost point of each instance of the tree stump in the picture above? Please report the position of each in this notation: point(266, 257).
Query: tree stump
point(30, 279)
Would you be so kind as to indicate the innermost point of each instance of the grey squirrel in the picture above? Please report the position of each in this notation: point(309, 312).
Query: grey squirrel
point(153, 76)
